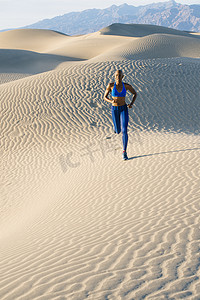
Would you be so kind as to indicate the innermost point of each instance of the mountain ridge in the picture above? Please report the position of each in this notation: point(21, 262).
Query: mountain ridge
point(168, 14)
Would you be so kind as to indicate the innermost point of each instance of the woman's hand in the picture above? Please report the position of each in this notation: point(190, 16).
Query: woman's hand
point(130, 105)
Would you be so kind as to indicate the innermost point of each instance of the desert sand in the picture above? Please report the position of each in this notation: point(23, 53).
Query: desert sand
point(78, 222)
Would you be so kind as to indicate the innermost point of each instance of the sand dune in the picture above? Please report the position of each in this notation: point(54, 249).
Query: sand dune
point(34, 51)
point(30, 39)
point(88, 46)
point(139, 30)
point(76, 221)
point(46, 41)
point(155, 46)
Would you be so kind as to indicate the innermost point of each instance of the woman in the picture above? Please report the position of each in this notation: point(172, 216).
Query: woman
point(119, 107)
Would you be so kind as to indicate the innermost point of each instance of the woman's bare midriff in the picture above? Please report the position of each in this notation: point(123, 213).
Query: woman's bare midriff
point(118, 101)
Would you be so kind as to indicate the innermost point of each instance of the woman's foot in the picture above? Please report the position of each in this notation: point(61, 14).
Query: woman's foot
point(124, 155)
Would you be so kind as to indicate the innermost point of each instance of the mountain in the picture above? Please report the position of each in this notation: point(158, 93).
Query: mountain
point(168, 14)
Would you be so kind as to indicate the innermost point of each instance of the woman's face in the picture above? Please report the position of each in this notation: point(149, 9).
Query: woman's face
point(118, 77)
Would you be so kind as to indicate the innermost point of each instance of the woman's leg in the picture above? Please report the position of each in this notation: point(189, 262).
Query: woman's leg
point(116, 119)
point(124, 124)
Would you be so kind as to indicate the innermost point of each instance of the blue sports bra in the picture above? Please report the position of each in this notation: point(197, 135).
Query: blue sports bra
point(115, 92)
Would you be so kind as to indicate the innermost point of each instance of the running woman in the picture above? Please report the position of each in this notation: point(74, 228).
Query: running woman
point(119, 107)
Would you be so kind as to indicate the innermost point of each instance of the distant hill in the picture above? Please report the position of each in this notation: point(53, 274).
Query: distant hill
point(168, 14)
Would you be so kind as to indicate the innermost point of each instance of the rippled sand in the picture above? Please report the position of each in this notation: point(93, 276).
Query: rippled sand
point(78, 222)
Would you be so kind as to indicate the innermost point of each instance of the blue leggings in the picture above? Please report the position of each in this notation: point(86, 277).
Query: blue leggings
point(120, 120)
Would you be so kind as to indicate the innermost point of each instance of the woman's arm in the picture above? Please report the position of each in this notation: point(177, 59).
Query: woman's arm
point(108, 89)
point(132, 90)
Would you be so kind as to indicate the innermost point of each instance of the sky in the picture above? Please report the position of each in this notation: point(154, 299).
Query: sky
point(18, 13)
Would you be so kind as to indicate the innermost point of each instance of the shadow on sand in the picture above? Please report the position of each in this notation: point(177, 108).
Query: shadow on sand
point(30, 62)
point(166, 152)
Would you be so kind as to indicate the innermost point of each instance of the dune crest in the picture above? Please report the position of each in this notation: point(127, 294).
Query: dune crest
point(139, 30)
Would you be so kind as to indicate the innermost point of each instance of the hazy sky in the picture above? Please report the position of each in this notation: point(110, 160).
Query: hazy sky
point(17, 13)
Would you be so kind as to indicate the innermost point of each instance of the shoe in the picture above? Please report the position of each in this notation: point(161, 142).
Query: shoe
point(114, 129)
point(124, 156)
